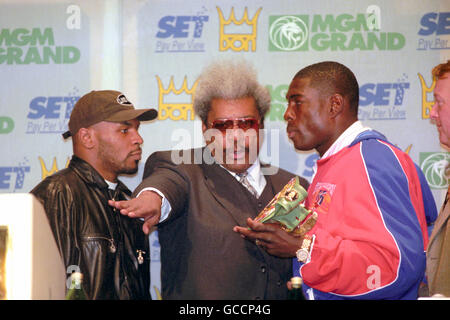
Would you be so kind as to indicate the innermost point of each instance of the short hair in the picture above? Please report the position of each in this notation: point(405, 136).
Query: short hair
point(228, 79)
point(331, 77)
point(441, 69)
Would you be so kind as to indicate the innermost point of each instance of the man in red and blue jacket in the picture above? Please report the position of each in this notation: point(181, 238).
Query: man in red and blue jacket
point(373, 203)
point(371, 235)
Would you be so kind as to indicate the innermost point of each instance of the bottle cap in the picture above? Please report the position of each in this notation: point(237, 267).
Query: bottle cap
point(296, 282)
point(77, 276)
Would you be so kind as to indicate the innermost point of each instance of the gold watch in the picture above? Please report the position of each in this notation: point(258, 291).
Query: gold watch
point(303, 253)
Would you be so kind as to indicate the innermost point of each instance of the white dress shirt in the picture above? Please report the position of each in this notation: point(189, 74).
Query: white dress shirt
point(111, 185)
point(254, 177)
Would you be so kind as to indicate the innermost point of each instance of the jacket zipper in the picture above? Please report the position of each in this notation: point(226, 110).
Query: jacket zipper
point(112, 245)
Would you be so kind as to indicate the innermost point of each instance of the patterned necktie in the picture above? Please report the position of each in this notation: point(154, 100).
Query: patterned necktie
point(244, 181)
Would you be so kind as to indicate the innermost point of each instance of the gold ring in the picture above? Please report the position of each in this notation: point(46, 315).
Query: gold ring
point(257, 242)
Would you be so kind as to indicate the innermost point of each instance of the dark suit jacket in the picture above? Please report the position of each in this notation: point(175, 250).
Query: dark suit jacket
point(201, 256)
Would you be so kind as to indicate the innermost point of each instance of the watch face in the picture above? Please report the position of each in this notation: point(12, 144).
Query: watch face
point(302, 255)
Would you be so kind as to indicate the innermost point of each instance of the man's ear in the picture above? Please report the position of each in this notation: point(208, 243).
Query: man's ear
point(208, 136)
point(336, 105)
point(86, 137)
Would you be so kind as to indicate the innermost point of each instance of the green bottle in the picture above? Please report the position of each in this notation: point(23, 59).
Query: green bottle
point(76, 291)
point(296, 293)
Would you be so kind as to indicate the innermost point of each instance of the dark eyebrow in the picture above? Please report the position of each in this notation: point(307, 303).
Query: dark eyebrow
point(128, 124)
point(292, 96)
point(243, 117)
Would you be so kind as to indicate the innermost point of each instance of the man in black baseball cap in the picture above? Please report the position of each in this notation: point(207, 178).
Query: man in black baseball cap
point(106, 105)
point(108, 248)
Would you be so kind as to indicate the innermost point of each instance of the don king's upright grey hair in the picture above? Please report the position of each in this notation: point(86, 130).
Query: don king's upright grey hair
point(227, 79)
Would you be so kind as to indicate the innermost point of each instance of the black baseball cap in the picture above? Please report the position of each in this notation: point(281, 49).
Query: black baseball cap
point(104, 105)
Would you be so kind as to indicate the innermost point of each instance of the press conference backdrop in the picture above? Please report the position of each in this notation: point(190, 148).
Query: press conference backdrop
point(52, 52)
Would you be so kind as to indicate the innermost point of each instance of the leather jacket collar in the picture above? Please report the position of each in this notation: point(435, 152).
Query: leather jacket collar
point(88, 173)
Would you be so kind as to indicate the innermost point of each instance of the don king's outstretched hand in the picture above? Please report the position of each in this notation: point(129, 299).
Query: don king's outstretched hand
point(146, 206)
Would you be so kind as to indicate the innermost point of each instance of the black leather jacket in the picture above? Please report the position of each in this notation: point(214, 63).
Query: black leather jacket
point(106, 246)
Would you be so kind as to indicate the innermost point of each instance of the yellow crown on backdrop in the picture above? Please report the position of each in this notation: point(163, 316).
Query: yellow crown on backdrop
point(45, 172)
point(228, 41)
point(167, 110)
point(426, 104)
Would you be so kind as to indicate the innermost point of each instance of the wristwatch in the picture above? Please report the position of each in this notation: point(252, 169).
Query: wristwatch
point(303, 253)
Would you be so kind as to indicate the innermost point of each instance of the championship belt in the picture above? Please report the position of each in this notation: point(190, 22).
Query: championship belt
point(287, 208)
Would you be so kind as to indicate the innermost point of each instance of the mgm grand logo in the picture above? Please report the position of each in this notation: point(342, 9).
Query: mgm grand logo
point(435, 166)
point(288, 33)
point(342, 32)
point(176, 109)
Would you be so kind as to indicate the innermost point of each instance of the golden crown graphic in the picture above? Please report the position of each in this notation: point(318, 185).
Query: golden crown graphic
point(426, 104)
point(45, 172)
point(237, 41)
point(170, 110)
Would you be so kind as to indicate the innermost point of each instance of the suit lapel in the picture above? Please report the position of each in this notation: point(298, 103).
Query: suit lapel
point(228, 192)
point(226, 189)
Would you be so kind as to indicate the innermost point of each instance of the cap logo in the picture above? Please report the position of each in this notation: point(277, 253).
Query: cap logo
point(123, 100)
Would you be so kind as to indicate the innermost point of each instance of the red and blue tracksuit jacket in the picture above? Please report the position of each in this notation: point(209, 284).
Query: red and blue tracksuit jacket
point(373, 206)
